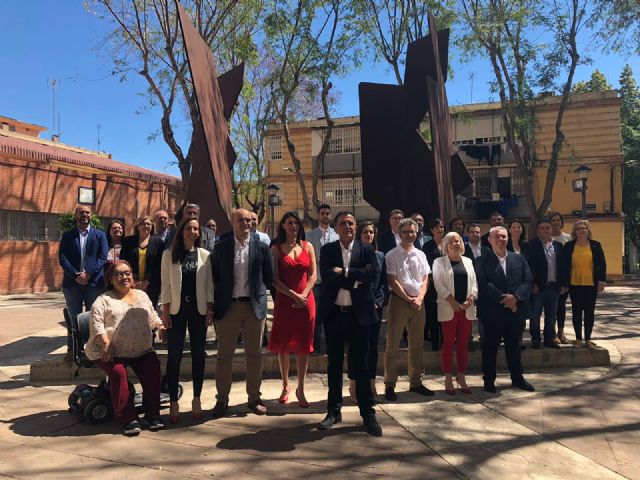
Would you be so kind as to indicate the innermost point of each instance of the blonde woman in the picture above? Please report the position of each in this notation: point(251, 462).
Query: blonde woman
point(455, 282)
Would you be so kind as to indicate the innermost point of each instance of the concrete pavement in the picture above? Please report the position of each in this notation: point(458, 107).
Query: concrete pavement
point(581, 422)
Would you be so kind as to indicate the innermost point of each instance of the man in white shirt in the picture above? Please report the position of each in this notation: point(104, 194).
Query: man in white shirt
point(319, 237)
point(408, 278)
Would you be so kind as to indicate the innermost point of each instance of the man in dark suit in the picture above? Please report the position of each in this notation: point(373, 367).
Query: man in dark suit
point(495, 220)
point(242, 273)
point(548, 269)
point(347, 308)
point(504, 281)
point(207, 237)
point(82, 255)
point(474, 249)
point(391, 238)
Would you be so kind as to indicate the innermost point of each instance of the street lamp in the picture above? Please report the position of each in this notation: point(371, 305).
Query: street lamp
point(274, 201)
point(580, 185)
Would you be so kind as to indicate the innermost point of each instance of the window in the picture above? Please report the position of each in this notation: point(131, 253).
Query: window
point(518, 181)
point(274, 148)
point(29, 226)
point(482, 182)
point(343, 140)
point(343, 192)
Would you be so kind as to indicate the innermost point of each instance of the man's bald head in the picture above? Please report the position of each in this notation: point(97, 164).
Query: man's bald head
point(241, 220)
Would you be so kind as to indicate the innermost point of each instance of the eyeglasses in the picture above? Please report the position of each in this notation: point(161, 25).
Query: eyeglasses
point(122, 274)
point(407, 232)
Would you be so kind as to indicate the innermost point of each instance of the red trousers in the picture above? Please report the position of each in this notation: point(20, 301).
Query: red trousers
point(456, 331)
point(147, 368)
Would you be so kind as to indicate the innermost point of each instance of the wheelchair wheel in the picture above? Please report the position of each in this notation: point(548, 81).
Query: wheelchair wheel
point(98, 410)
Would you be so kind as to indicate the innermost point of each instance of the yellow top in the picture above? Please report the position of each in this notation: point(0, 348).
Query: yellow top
point(142, 262)
point(582, 266)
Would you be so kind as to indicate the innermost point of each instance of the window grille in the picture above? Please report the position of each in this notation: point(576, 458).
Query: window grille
point(518, 182)
point(482, 182)
point(29, 226)
point(343, 140)
point(343, 192)
point(274, 147)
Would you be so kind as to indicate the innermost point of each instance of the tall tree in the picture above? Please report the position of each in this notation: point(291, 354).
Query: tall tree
point(390, 25)
point(508, 32)
point(597, 83)
point(310, 42)
point(630, 126)
point(617, 23)
point(146, 40)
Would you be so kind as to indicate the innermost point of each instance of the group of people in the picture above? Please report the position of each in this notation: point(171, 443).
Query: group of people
point(329, 282)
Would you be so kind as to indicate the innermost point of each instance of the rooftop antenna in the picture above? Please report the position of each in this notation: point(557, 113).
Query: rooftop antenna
point(471, 78)
point(54, 83)
point(98, 127)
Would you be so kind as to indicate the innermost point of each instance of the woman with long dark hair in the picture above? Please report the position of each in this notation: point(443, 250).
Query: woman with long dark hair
point(294, 311)
point(517, 237)
point(367, 233)
point(187, 302)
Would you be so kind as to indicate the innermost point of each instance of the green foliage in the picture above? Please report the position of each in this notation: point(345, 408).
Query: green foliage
point(630, 126)
point(597, 83)
point(68, 222)
point(618, 25)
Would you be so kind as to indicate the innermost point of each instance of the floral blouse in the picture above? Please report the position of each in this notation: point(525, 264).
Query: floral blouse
point(128, 325)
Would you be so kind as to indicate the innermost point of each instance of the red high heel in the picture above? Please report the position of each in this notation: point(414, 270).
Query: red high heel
point(284, 396)
point(174, 415)
point(466, 389)
point(302, 401)
point(196, 409)
point(449, 390)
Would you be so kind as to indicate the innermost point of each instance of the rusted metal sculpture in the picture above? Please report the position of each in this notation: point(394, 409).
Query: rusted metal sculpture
point(211, 151)
point(399, 168)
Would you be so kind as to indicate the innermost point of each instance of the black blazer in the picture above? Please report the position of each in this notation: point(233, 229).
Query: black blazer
point(155, 247)
point(524, 247)
point(260, 275)
point(387, 241)
point(431, 250)
point(599, 262)
point(538, 263)
point(469, 253)
point(493, 284)
point(362, 268)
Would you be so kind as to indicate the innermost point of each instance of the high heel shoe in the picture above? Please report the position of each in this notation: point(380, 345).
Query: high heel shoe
point(284, 396)
point(302, 401)
point(196, 409)
point(448, 387)
point(174, 412)
point(464, 389)
point(352, 391)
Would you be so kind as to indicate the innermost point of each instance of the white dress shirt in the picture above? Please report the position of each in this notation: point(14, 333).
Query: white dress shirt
point(503, 262)
point(241, 268)
point(83, 245)
point(344, 296)
point(550, 253)
point(409, 267)
point(476, 249)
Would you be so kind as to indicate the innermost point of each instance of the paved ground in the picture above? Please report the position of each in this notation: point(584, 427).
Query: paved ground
point(579, 423)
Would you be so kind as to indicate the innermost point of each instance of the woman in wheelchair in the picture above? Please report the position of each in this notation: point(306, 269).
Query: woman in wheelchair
point(121, 333)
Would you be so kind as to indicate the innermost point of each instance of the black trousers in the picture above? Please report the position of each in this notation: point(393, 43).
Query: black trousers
point(561, 314)
point(583, 303)
point(342, 328)
point(187, 317)
point(432, 329)
point(508, 326)
point(373, 349)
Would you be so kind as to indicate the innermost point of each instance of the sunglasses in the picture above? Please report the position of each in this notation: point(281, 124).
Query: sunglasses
point(124, 274)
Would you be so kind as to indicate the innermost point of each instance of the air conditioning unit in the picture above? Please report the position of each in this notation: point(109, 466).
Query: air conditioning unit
point(606, 206)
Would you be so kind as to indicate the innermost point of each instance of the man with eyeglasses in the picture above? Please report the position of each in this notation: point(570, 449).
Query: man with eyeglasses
point(213, 226)
point(408, 277)
point(82, 255)
point(161, 219)
point(207, 237)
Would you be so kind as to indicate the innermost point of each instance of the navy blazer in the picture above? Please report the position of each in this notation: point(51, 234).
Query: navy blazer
point(155, 247)
point(537, 259)
point(387, 241)
point(493, 284)
point(96, 251)
point(469, 253)
point(363, 268)
point(599, 262)
point(260, 275)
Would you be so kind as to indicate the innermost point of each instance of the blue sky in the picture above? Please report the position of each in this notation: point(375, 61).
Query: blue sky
point(47, 39)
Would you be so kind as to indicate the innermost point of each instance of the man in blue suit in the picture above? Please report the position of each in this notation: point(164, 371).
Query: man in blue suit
point(242, 274)
point(82, 254)
point(504, 281)
point(347, 308)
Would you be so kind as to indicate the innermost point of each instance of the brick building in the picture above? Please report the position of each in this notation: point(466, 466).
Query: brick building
point(40, 179)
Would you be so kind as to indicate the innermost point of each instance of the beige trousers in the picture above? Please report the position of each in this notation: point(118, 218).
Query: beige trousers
point(401, 315)
point(239, 319)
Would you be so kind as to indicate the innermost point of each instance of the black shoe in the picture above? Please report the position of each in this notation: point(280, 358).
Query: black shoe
point(435, 347)
point(422, 390)
point(329, 421)
point(390, 394)
point(490, 387)
point(472, 347)
point(552, 344)
point(154, 423)
point(523, 347)
point(132, 428)
point(535, 345)
point(220, 409)
point(523, 385)
point(372, 427)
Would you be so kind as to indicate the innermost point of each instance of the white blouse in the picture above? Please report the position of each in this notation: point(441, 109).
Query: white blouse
point(128, 325)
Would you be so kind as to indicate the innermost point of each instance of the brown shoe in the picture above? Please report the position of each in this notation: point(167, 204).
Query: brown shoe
point(577, 343)
point(257, 407)
point(590, 345)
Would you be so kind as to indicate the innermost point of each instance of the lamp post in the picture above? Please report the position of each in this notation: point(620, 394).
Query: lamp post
point(580, 185)
point(274, 201)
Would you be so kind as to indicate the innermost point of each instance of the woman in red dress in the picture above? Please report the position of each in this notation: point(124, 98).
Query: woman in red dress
point(294, 313)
